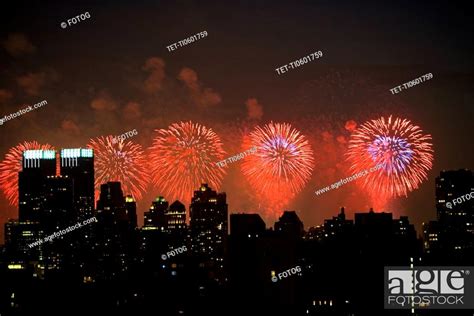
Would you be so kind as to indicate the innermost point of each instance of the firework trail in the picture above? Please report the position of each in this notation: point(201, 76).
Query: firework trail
point(11, 165)
point(282, 165)
point(184, 156)
point(123, 161)
point(402, 148)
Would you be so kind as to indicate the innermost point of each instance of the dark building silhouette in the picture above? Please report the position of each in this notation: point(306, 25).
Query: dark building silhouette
point(208, 230)
point(78, 165)
point(176, 217)
point(116, 238)
point(247, 259)
point(122, 269)
point(37, 165)
point(290, 224)
point(246, 226)
point(451, 237)
point(164, 230)
point(176, 227)
point(156, 217)
point(131, 211)
point(338, 226)
point(58, 213)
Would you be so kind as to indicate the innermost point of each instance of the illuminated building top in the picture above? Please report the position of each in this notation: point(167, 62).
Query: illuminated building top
point(39, 154)
point(77, 152)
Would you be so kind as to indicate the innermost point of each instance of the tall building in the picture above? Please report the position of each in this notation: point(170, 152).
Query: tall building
point(58, 213)
point(176, 227)
point(451, 185)
point(115, 234)
point(36, 166)
point(453, 232)
point(131, 209)
point(155, 217)
point(78, 165)
point(176, 217)
point(208, 229)
point(246, 264)
point(58, 207)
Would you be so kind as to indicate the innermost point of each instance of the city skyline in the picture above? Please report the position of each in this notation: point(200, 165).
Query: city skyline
point(69, 158)
point(143, 86)
point(236, 158)
point(60, 236)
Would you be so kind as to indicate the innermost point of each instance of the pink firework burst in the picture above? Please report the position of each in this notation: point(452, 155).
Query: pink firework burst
point(404, 151)
point(121, 161)
point(281, 166)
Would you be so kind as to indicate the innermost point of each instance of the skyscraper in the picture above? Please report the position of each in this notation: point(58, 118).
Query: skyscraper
point(176, 217)
point(453, 232)
point(155, 217)
point(37, 165)
point(208, 229)
point(57, 210)
point(131, 208)
point(58, 213)
point(78, 165)
point(176, 224)
point(115, 235)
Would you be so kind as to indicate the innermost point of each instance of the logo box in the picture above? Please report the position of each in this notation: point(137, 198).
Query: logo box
point(424, 287)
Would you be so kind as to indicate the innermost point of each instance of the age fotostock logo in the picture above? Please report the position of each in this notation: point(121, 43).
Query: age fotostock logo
point(429, 287)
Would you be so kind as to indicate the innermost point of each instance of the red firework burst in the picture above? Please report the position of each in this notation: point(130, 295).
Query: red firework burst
point(184, 156)
point(10, 167)
point(403, 150)
point(121, 161)
point(281, 166)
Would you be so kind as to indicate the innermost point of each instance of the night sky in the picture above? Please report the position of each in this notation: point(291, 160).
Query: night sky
point(113, 73)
